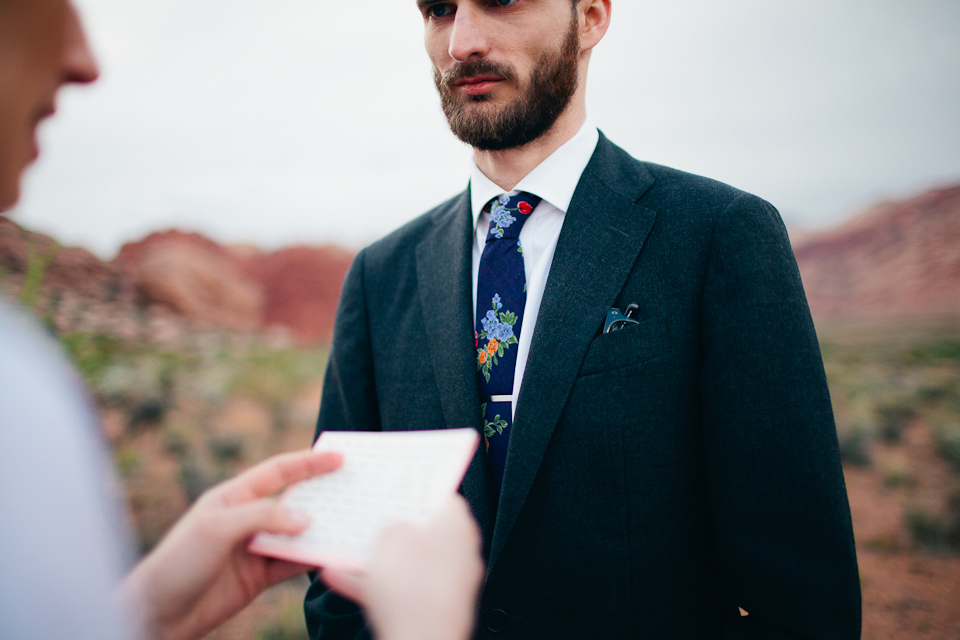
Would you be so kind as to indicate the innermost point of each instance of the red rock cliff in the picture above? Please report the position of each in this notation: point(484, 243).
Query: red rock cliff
point(897, 259)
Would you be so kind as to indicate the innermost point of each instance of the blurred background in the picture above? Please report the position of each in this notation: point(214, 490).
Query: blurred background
point(188, 226)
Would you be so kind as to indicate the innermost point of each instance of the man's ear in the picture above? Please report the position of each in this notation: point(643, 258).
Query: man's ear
point(594, 22)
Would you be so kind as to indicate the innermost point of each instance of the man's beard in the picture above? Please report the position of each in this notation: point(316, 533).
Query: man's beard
point(552, 85)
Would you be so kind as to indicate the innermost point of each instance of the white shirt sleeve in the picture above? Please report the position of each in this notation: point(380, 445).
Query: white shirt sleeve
point(63, 544)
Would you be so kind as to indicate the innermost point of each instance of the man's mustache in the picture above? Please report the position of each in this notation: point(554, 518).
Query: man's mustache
point(472, 68)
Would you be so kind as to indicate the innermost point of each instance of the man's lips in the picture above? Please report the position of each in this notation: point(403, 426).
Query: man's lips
point(475, 85)
point(41, 114)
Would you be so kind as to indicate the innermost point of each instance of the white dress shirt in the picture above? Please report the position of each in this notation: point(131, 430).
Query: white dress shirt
point(554, 180)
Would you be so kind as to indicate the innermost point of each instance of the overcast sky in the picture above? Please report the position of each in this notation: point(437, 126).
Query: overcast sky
point(311, 121)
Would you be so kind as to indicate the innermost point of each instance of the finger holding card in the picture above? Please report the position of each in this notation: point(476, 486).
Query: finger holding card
point(201, 573)
point(386, 478)
point(420, 582)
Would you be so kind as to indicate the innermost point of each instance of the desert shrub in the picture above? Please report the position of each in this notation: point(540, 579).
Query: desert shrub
point(273, 376)
point(896, 473)
point(953, 522)
point(947, 442)
point(855, 445)
point(193, 479)
point(938, 388)
point(149, 412)
point(225, 448)
point(929, 531)
point(828, 350)
point(127, 460)
point(176, 440)
point(37, 264)
point(275, 631)
point(287, 623)
point(136, 377)
point(205, 380)
point(936, 532)
point(884, 543)
point(893, 415)
point(930, 394)
point(948, 349)
point(92, 353)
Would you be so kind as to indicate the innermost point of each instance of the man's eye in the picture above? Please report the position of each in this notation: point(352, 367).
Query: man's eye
point(439, 10)
point(505, 3)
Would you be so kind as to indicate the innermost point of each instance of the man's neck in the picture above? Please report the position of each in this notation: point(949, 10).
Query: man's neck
point(508, 167)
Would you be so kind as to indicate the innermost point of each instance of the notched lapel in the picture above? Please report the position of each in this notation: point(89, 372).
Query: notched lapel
point(446, 297)
point(602, 235)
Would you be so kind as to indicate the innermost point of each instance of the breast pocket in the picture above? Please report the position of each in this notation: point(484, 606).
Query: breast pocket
point(629, 346)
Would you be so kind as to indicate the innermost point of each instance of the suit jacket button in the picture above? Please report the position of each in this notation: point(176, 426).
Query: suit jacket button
point(496, 620)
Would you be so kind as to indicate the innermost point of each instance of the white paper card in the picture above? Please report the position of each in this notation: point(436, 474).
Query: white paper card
point(386, 477)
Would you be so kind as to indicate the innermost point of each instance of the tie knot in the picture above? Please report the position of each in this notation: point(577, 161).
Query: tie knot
point(509, 213)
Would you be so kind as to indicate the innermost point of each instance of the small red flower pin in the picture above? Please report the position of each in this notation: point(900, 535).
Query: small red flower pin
point(525, 208)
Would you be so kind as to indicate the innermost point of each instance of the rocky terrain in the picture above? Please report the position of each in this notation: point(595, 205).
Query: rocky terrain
point(173, 282)
point(896, 260)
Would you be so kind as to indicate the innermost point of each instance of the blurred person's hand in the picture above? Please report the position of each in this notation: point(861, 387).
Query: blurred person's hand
point(421, 583)
point(201, 573)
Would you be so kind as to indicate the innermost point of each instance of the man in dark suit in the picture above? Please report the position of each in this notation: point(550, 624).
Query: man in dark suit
point(677, 478)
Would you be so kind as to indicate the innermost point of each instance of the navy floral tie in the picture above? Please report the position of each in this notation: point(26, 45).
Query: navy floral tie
point(501, 297)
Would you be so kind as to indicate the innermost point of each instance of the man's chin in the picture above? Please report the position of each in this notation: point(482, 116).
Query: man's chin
point(483, 107)
point(8, 198)
point(10, 185)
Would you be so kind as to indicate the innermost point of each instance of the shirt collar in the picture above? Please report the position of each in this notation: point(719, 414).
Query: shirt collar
point(554, 180)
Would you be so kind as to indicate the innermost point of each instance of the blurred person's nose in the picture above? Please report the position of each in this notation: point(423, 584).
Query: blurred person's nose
point(78, 64)
point(467, 38)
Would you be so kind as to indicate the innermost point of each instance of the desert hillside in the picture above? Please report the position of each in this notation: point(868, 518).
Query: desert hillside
point(171, 283)
point(896, 260)
point(239, 287)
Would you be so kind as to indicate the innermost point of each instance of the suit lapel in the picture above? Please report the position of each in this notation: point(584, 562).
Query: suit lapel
point(444, 275)
point(601, 238)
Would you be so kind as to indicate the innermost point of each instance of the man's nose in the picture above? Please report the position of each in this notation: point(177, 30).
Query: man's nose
point(467, 39)
point(78, 64)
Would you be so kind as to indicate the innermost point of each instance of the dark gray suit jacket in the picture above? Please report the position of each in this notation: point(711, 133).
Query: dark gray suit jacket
point(659, 477)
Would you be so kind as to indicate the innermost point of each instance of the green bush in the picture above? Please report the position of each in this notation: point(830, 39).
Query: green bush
point(897, 476)
point(287, 622)
point(274, 376)
point(176, 440)
point(929, 531)
point(149, 412)
point(193, 479)
point(127, 460)
point(947, 441)
point(953, 522)
point(948, 349)
point(225, 448)
point(274, 631)
point(92, 353)
point(892, 416)
point(37, 264)
point(855, 446)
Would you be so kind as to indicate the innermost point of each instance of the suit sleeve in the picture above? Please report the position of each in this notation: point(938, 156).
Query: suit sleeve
point(782, 521)
point(349, 403)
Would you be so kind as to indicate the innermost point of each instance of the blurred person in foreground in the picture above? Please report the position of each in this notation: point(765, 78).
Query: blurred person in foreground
point(63, 544)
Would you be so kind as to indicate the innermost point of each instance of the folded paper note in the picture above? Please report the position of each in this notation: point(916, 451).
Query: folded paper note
point(386, 477)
